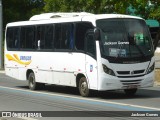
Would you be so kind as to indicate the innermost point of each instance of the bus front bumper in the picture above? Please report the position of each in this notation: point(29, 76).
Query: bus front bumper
point(107, 82)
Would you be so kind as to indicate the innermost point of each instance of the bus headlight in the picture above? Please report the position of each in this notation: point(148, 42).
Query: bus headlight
point(108, 70)
point(150, 69)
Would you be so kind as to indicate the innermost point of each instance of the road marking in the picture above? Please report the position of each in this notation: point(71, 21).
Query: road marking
point(27, 118)
point(91, 101)
point(21, 118)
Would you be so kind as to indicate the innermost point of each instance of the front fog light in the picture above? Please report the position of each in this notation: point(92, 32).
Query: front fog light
point(108, 70)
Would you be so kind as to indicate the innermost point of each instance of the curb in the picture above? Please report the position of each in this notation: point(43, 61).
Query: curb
point(2, 71)
point(156, 83)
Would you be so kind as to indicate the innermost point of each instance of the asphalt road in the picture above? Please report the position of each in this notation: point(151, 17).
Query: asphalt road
point(15, 96)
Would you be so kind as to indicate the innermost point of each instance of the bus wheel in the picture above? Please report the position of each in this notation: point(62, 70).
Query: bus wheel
point(33, 85)
point(83, 87)
point(130, 92)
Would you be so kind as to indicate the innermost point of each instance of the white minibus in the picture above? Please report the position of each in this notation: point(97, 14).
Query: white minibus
point(88, 51)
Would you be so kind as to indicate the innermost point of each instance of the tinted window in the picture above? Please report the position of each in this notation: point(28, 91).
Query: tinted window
point(27, 37)
point(81, 29)
point(64, 37)
point(40, 37)
point(49, 37)
point(90, 45)
point(57, 36)
point(13, 38)
point(44, 37)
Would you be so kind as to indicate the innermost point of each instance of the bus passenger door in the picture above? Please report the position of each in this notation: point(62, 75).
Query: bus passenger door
point(91, 62)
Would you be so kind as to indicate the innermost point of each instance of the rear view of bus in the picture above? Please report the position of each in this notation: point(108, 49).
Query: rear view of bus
point(127, 54)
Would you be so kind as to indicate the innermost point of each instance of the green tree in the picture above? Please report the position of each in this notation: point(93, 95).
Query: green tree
point(155, 9)
point(144, 8)
point(19, 10)
point(93, 6)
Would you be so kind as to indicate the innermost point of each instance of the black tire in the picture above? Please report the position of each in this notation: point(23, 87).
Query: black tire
point(33, 85)
point(130, 92)
point(83, 87)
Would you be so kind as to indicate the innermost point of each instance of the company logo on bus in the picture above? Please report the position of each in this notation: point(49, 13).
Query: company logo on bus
point(91, 68)
point(23, 60)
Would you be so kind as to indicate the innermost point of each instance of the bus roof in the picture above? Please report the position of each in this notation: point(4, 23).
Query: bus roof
point(95, 17)
point(47, 18)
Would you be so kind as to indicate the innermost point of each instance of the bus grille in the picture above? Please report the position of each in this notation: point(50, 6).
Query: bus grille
point(130, 72)
point(131, 82)
point(127, 74)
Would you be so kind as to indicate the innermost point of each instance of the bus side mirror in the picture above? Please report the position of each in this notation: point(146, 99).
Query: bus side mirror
point(155, 34)
point(97, 34)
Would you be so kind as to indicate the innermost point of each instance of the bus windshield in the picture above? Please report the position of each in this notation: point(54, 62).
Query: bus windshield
point(124, 38)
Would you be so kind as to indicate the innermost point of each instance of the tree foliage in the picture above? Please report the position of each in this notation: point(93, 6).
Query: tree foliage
point(143, 8)
point(18, 10)
point(155, 10)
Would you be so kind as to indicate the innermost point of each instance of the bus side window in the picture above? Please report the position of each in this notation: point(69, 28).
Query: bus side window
point(90, 44)
point(13, 37)
point(40, 36)
point(27, 37)
point(16, 38)
point(57, 38)
point(80, 31)
point(23, 36)
point(64, 36)
point(9, 38)
point(49, 37)
point(67, 36)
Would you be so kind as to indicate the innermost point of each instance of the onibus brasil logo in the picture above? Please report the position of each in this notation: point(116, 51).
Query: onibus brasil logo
point(20, 60)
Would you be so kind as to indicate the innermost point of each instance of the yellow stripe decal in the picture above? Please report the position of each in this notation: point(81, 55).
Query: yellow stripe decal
point(16, 59)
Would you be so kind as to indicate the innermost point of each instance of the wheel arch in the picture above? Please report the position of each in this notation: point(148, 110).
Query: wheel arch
point(80, 75)
point(28, 72)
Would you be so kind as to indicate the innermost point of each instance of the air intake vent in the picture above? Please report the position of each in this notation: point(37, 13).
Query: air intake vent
point(131, 82)
point(47, 16)
point(123, 72)
point(138, 71)
point(135, 72)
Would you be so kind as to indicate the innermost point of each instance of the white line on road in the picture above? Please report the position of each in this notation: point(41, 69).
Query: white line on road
point(19, 118)
point(27, 118)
